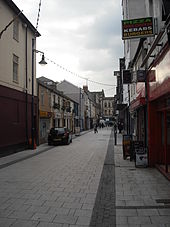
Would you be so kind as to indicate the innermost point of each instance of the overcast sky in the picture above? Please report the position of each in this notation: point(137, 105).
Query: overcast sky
point(83, 36)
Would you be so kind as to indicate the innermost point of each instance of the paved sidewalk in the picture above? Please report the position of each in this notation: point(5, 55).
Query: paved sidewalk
point(142, 194)
point(26, 154)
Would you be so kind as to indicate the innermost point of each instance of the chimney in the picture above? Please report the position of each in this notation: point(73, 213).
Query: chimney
point(85, 88)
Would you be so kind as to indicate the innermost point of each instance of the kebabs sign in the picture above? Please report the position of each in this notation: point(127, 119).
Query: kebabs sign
point(137, 28)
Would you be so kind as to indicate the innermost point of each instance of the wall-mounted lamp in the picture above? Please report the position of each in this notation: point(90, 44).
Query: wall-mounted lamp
point(42, 62)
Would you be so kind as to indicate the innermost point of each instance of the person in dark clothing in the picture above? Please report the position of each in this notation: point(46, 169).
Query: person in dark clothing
point(95, 128)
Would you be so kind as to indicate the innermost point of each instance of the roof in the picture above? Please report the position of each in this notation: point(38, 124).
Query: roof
point(52, 89)
point(16, 10)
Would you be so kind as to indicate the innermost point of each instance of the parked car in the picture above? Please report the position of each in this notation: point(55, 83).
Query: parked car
point(59, 136)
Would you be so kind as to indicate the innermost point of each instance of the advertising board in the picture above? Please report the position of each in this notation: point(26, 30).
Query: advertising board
point(141, 158)
point(137, 28)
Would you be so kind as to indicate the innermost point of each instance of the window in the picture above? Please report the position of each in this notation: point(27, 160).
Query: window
point(42, 98)
point(105, 112)
point(15, 68)
point(16, 30)
point(49, 100)
point(105, 104)
point(109, 104)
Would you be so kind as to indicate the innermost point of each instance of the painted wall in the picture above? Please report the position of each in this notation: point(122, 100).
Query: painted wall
point(9, 46)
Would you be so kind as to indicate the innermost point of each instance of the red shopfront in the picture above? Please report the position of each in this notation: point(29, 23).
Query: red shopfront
point(159, 112)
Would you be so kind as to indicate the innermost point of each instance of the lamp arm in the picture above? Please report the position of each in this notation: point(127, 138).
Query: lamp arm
point(38, 51)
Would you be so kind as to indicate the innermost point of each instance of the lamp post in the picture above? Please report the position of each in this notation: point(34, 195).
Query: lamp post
point(42, 62)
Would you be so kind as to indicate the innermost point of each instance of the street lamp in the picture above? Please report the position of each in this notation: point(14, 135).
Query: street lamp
point(42, 62)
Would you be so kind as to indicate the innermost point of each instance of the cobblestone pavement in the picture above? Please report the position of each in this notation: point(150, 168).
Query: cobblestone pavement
point(83, 184)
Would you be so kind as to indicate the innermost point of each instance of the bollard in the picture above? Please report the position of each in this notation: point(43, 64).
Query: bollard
point(115, 134)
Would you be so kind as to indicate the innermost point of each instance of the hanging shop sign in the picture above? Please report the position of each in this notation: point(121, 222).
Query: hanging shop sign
point(141, 75)
point(137, 28)
point(127, 77)
point(116, 73)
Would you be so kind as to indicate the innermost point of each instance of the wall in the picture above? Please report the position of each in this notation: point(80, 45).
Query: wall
point(9, 46)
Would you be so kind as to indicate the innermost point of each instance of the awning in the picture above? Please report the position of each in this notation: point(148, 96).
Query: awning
point(138, 102)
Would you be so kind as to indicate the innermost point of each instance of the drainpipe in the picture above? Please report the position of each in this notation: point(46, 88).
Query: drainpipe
point(26, 85)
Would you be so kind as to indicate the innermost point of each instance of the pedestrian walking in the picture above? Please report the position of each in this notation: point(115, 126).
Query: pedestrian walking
point(95, 129)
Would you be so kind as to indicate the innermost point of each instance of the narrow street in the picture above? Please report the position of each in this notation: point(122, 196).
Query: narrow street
point(86, 183)
point(57, 187)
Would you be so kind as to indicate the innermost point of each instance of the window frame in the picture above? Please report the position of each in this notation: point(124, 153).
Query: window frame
point(16, 30)
point(15, 61)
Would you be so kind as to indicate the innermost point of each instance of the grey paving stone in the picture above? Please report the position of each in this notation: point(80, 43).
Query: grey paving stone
point(126, 212)
point(83, 213)
point(147, 212)
point(160, 219)
point(83, 221)
point(164, 211)
point(65, 219)
point(121, 220)
point(43, 217)
point(20, 223)
point(58, 211)
point(139, 220)
point(47, 224)
point(34, 202)
point(21, 215)
point(6, 222)
point(72, 205)
point(38, 209)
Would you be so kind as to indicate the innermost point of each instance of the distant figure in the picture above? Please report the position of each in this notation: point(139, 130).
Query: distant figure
point(95, 128)
point(120, 126)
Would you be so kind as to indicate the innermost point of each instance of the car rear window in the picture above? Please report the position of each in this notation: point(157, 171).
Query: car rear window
point(57, 130)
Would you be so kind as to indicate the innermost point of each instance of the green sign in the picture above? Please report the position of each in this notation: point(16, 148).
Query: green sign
point(137, 28)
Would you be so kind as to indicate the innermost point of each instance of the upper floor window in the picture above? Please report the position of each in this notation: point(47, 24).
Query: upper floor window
point(16, 30)
point(49, 100)
point(53, 99)
point(105, 104)
point(15, 68)
point(109, 104)
point(42, 98)
point(58, 99)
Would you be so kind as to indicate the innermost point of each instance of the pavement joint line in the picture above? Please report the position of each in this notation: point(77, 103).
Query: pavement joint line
point(143, 207)
point(106, 197)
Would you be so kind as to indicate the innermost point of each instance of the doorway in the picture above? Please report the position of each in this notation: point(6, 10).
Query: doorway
point(165, 139)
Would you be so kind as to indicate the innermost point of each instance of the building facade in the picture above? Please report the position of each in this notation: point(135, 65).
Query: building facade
point(16, 79)
point(150, 94)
